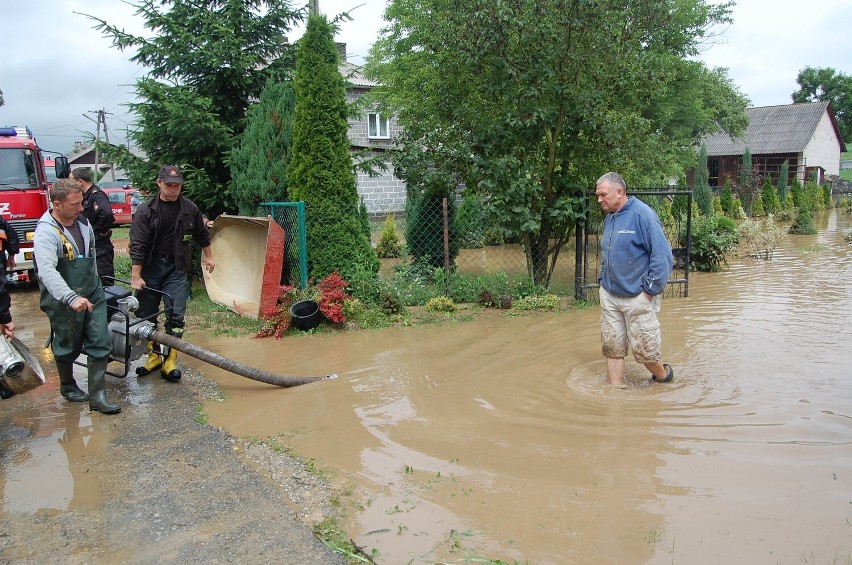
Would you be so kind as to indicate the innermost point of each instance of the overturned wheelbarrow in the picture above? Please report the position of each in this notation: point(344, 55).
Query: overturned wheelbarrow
point(249, 255)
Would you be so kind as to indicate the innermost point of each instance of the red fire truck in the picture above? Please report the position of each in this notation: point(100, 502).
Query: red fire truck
point(23, 191)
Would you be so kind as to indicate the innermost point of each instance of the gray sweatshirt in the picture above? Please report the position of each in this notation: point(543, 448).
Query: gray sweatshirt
point(47, 249)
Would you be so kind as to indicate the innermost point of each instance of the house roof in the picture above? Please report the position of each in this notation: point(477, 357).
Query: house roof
point(355, 75)
point(774, 129)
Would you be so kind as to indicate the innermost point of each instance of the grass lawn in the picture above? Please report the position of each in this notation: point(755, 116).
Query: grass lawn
point(846, 174)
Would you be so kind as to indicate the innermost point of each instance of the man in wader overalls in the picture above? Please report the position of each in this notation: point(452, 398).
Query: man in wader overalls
point(161, 237)
point(71, 294)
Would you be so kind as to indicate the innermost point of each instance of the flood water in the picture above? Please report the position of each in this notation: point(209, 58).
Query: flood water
point(500, 439)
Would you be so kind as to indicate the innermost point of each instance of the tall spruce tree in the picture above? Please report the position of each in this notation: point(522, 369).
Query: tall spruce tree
point(703, 194)
point(205, 62)
point(745, 190)
point(320, 172)
point(259, 164)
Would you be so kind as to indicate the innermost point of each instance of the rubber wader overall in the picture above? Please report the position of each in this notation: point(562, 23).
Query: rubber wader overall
point(69, 328)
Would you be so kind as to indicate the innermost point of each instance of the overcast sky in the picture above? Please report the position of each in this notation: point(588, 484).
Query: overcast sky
point(54, 67)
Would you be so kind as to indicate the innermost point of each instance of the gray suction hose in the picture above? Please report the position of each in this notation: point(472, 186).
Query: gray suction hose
point(146, 332)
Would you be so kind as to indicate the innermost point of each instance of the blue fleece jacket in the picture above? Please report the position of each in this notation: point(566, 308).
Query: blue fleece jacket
point(636, 254)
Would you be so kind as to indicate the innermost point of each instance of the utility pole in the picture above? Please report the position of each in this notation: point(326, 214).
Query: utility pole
point(106, 137)
point(101, 119)
point(313, 7)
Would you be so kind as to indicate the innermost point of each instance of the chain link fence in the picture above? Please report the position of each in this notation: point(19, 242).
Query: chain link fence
point(675, 209)
point(446, 247)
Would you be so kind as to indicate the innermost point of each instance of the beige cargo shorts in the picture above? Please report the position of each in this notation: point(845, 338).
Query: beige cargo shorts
point(630, 322)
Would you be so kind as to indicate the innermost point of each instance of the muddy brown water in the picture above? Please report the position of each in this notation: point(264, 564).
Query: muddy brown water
point(500, 439)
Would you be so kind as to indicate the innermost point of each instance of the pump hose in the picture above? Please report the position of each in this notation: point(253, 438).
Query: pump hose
point(225, 363)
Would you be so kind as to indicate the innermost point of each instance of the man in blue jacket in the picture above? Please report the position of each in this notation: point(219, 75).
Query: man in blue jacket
point(635, 267)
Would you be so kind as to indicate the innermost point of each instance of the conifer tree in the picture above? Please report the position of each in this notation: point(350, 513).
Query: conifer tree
point(746, 190)
point(259, 164)
point(320, 172)
point(727, 198)
point(796, 193)
point(204, 64)
point(703, 195)
point(783, 179)
point(769, 196)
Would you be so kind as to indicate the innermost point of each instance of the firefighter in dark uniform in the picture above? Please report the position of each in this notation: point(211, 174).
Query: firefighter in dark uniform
point(98, 210)
point(8, 245)
point(161, 237)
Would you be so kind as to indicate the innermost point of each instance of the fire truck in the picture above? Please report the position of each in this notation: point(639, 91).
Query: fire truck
point(24, 191)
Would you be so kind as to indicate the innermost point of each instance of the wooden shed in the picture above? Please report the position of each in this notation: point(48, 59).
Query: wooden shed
point(805, 135)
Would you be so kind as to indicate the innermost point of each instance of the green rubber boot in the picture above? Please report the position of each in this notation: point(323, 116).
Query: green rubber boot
point(97, 390)
point(68, 385)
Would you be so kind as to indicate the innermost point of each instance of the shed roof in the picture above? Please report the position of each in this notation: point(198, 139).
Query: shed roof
point(774, 129)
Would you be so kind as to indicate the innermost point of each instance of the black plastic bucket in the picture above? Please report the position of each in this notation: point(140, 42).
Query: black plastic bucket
point(305, 314)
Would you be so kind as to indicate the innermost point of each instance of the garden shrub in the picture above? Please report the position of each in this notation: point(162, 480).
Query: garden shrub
point(713, 237)
point(804, 224)
point(726, 199)
point(537, 302)
point(769, 197)
point(761, 236)
point(440, 304)
point(389, 245)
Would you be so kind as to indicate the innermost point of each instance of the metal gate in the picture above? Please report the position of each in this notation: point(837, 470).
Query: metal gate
point(674, 207)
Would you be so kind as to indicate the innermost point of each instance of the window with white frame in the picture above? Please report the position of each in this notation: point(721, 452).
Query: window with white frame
point(377, 126)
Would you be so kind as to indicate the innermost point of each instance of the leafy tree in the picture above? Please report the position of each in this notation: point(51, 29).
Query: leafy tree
point(1, 98)
point(259, 163)
point(528, 103)
point(320, 172)
point(703, 195)
point(827, 84)
point(205, 62)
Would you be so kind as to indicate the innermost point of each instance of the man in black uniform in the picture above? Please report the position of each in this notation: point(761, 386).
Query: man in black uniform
point(97, 209)
point(161, 237)
point(8, 244)
point(9, 247)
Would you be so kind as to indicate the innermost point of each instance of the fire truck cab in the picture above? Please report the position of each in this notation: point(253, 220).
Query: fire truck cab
point(24, 191)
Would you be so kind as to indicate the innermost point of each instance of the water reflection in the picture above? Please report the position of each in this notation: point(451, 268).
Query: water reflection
point(45, 445)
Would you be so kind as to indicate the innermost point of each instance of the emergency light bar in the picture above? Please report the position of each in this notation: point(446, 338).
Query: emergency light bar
point(16, 131)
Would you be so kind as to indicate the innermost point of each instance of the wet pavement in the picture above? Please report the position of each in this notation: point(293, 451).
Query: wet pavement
point(152, 484)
